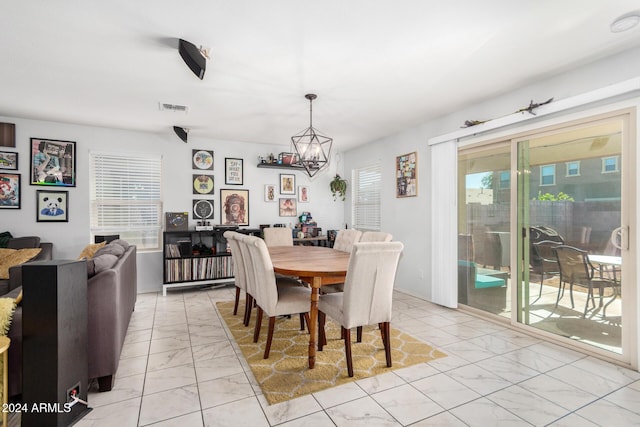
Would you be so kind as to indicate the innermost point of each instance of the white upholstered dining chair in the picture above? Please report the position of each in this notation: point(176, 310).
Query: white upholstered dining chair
point(275, 297)
point(346, 238)
point(239, 272)
point(367, 296)
point(278, 236)
point(375, 236)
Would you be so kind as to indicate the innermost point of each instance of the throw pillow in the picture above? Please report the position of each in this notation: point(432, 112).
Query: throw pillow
point(90, 250)
point(4, 239)
point(125, 245)
point(110, 249)
point(104, 262)
point(11, 257)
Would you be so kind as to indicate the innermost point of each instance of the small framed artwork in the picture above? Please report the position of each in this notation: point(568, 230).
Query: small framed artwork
point(53, 206)
point(407, 175)
point(233, 173)
point(270, 193)
point(234, 207)
point(7, 134)
point(303, 194)
point(287, 183)
point(288, 207)
point(202, 159)
point(53, 162)
point(202, 184)
point(10, 190)
point(8, 160)
point(176, 221)
point(203, 209)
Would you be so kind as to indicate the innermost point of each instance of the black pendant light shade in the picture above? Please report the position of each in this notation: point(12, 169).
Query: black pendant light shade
point(312, 147)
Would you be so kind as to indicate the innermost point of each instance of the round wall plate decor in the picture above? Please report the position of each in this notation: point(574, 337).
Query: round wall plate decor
point(203, 209)
point(202, 184)
point(203, 159)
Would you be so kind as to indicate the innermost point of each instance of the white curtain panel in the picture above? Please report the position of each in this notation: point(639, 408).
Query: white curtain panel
point(444, 224)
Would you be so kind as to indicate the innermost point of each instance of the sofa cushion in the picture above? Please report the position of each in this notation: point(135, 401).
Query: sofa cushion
point(24, 242)
point(483, 281)
point(90, 250)
point(110, 249)
point(11, 257)
point(103, 262)
point(4, 239)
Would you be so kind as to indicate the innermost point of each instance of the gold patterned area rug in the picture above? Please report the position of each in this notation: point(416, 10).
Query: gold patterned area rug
point(285, 374)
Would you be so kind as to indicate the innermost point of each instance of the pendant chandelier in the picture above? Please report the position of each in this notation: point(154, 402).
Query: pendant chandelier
point(312, 148)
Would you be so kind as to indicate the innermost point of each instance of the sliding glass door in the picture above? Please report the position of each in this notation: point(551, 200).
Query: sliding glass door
point(484, 227)
point(543, 224)
point(569, 210)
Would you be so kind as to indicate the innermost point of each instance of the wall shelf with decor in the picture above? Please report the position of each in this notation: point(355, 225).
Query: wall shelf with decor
point(280, 166)
point(195, 258)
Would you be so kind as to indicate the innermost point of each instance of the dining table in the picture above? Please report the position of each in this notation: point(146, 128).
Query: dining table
point(316, 265)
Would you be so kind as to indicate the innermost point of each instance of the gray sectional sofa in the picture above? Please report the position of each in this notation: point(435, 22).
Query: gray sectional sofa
point(111, 297)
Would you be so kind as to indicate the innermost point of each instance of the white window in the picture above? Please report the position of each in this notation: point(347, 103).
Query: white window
point(573, 168)
point(365, 198)
point(126, 197)
point(610, 164)
point(548, 175)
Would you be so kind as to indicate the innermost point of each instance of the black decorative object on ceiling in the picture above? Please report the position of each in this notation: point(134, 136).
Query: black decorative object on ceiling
point(181, 132)
point(312, 147)
point(194, 57)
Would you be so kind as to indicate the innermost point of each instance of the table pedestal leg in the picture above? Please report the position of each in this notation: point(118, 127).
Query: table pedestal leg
point(313, 320)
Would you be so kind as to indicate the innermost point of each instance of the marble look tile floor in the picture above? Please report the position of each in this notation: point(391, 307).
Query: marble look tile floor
point(179, 367)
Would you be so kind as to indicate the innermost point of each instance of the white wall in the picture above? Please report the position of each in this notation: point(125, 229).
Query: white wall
point(408, 219)
point(69, 238)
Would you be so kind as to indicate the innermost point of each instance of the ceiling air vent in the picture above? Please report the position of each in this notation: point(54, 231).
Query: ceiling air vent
point(173, 107)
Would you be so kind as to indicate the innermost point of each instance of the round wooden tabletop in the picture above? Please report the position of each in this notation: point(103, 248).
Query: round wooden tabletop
point(308, 261)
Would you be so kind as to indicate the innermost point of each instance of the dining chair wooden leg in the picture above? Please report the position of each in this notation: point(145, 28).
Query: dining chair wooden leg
point(256, 331)
point(385, 331)
point(359, 333)
point(322, 338)
point(302, 321)
point(307, 320)
point(247, 309)
point(347, 350)
point(235, 305)
point(272, 326)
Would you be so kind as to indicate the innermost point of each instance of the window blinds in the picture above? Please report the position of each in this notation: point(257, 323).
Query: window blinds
point(126, 197)
point(366, 197)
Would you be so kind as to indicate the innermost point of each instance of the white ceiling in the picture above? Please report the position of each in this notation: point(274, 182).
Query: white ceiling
point(377, 66)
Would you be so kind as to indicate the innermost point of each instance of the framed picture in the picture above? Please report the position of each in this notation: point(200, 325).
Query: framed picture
point(234, 207)
point(202, 159)
point(10, 190)
point(202, 209)
point(53, 206)
point(303, 194)
point(288, 207)
point(270, 193)
point(203, 184)
point(8, 160)
point(287, 183)
point(233, 173)
point(53, 162)
point(176, 221)
point(407, 175)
